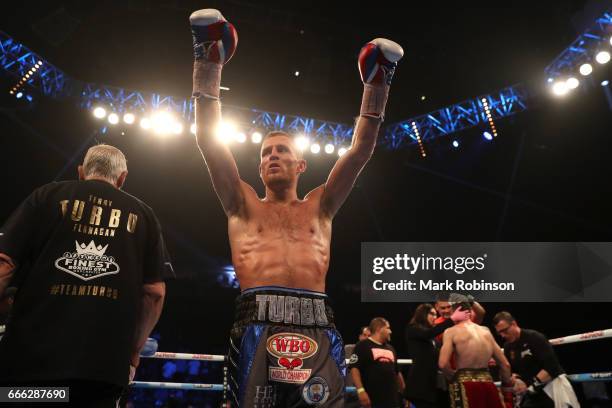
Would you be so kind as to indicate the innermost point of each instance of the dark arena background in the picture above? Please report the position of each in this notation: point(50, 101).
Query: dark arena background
point(485, 139)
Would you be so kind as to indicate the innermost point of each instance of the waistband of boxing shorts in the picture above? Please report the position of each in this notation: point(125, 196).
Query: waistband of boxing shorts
point(283, 306)
point(473, 374)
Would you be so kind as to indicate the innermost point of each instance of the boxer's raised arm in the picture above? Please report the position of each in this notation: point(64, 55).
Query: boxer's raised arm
point(214, 43)
point(217, 156)
point(377, 62)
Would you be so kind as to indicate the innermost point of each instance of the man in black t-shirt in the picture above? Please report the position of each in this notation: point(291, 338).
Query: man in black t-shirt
point(350, 399)
point(374, 368)
point(89, 261)
point(536, 370)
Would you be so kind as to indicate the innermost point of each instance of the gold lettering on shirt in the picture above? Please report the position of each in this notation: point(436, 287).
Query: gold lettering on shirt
point(107, 219)
point(77, 210)
point(115, 216)
point(96, 215)
point(84, 290)
point(64, 207)
point(131, 223)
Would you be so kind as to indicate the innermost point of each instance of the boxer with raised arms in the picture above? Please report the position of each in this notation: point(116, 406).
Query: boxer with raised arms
point(285, 350)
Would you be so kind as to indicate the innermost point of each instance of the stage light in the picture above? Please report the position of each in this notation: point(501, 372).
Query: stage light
point(226, 131)
point(99, 112)
point(455, 144)
point(605, 82)
point(415, 129)
point(315, 148)
point(19, 95)
point(572, 83)
point(129, 118)
point(145, 123)
point(559, 88)
point(586, 69)
point(341, 151)
point(192, 128)
point(487, 136)
point(162, 122)
point(329, 148)
point(485, 105)
point(29, 98)
point(550, 80)
point(113, 118)
point(610, 40)
point(177, 128)
point(302, 142)
point(297, 73)
point(602, 57)
point(241, 137)
point(256, 137)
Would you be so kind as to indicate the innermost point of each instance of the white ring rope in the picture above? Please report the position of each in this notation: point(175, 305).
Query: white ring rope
point(575, 338)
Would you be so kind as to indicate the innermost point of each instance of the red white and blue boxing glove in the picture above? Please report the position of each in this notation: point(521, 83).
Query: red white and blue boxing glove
point(377, 62)
point(214, 44)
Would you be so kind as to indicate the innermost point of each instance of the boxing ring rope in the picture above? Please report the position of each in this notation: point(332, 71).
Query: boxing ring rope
point(575, 338)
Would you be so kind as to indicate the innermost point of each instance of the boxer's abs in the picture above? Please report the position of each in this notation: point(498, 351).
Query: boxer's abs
point(291, 252)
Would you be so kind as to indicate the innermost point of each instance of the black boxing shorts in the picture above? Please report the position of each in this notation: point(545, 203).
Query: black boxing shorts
point(285, 350)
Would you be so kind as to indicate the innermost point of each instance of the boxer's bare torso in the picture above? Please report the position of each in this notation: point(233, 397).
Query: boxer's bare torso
point(281, 243)
point(473, 345)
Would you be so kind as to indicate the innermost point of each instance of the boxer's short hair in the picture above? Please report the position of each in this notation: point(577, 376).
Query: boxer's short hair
point(273, 133)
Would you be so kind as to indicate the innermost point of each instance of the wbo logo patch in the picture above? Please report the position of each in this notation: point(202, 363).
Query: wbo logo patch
point(88, 262)
point(290, 349)
point(315, 391)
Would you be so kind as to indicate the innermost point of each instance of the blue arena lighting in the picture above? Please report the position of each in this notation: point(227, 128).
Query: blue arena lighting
point(605, 82)
point(460, 116)
point(17, 60)
point(29, 98)
point(455, 143)
point(487, 135)
point(19, 95)
point(583, 48)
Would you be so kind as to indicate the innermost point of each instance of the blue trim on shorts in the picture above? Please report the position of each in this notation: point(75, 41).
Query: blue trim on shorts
point(248, 348)
point(336, 350)
point(283, 289)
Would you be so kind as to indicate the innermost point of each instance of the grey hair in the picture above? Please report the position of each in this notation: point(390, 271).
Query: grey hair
point(104, 161)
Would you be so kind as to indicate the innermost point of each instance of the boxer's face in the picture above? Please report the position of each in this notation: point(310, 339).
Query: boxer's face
point(444, 309)
point(280, 161)
point(507, 331)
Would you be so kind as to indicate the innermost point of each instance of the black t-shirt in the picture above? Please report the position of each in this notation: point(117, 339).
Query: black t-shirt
point(377, 365)
point(83, 250)
point(531, 353)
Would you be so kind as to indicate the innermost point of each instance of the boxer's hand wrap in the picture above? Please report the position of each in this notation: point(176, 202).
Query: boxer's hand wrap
point(214, 44)
point(206, 79)
point(377, 62)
